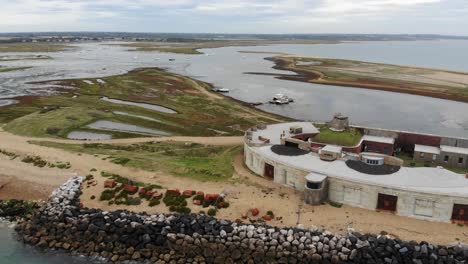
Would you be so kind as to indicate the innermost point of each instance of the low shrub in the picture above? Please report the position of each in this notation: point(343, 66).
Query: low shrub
point(199, 197)
point(36, 161)
point(184, 210)
point(107, 195)
point(335, 204)
point(271, 214)
point(154, 202)
point(133, 201)
point(52, 130)
point(92, 197)
point(211, 212)
point(121, 161)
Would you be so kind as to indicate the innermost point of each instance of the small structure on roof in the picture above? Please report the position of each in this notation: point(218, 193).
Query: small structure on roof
point(295, 129)
point(339, 122)
point(330, 153)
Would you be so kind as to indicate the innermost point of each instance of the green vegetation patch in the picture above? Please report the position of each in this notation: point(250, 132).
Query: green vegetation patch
point(200, 112)
point(350, 137)
point(13, 69)
point(197, 161)
point(33, 47)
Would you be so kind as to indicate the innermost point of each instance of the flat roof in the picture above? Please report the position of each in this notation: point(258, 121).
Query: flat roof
point(387, 140)
point(427, 149)
point(451, 149)
point(331, 148)
point(315, 177)
point(273, 132)
point(422, 179)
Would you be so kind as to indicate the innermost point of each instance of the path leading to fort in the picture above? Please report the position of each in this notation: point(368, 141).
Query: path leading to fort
point(245, 190)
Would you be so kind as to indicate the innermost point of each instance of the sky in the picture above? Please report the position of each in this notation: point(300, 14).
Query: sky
point(448, 17)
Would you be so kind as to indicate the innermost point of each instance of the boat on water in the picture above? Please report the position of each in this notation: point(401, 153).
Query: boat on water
point(222, 90)
point(281, 99)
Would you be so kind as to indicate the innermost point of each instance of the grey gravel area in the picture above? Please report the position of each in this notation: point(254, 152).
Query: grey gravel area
point(288, 151)
point(362, 167)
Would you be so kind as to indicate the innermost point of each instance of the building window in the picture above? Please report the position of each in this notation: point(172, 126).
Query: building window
point(460, 160)
point(314, 185)
point(421, 155)
point(446, 158)
point(385, 150)
point(377, 149)
point(369, 148)
point(434, 156)
point(372, 162)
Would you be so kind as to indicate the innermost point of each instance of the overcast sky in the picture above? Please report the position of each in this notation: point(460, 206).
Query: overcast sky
point(448, 17)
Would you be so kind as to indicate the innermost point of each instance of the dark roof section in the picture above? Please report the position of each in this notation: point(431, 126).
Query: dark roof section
point(362, 167)
point(288, 151)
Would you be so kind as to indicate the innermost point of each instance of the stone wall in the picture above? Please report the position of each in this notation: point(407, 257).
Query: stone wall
point(62, 223)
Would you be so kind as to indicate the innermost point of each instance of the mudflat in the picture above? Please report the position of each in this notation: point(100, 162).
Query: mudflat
point(436, 83)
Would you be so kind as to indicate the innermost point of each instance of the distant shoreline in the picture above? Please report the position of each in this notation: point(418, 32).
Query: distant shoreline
point(318, 77)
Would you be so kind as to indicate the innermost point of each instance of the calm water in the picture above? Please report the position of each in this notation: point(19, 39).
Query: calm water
point(15, 252)
point(225, 67)
point(122, 127)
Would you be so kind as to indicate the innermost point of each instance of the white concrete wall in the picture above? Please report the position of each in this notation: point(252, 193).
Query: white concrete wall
point(284, 174)
point(361, 195)
point(439, 206)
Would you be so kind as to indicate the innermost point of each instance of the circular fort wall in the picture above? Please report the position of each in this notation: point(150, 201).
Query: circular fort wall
point(420, 205)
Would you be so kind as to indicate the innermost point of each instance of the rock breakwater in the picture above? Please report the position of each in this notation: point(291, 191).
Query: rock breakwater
point(62, 223)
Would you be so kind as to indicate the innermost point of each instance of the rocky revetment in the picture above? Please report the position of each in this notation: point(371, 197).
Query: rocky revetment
point(63, 223)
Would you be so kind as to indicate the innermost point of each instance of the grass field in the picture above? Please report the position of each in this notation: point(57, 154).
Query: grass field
point(148, 46)
point(33, 47)
point(200, 162)
point(350, 137)
point(200, 112)
point(396, 78)
point(13, 69)
point(17, 58)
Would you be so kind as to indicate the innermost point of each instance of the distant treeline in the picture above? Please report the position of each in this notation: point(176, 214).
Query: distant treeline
point(198, 37)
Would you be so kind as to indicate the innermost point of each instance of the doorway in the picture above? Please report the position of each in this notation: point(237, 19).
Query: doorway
point(387, 202)
point(460, 213)
point(269, 171)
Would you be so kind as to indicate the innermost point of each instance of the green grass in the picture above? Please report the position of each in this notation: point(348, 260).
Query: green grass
point(33, 47)
point(25, 58)
point(193, 51)
point(350, 137)
point(196, 161)
point(13, 69)
point(198, 114)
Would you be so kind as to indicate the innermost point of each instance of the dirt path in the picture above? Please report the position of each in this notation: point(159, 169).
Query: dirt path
point(244, 191)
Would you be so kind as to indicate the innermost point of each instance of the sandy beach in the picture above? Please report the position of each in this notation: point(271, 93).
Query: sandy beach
point(244, 191)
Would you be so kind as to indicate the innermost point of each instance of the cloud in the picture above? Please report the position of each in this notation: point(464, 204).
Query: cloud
point(261, 16)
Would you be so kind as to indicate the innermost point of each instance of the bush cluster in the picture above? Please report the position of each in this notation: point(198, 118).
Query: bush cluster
point(35, 160)
point(176, 203)
point(211, 212)
point(154, 202)
point(121, 161)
